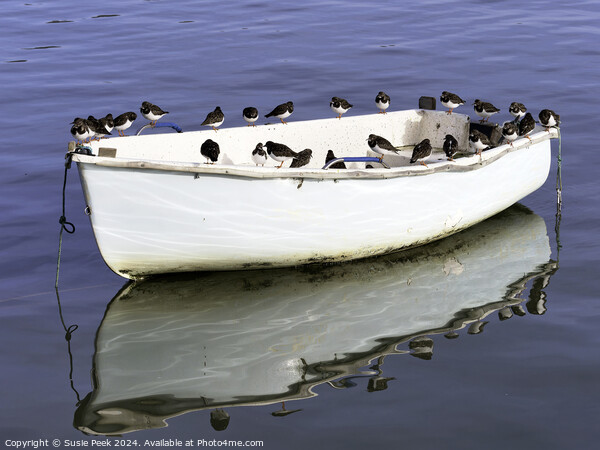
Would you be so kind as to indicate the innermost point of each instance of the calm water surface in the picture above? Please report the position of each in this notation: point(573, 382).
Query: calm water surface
point(348, 356)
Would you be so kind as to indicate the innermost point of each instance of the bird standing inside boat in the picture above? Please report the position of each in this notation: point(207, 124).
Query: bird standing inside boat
point(330, 156)
point(517, 110)
point(214, 118)
point(152, 112)
point(302, 159)
point(381, 145)
point(280, 152)
point(421, 152)
point(450, 146)
point(485, 110)
point(339, 106)
point(382, 101)
point(210, 150)
point(259, 156)
point(124, 121)
point(250, 115)
point(549, 119)
point(282, 111)
point(526, 125)
point(479, 141)
point(451, 101)
point(510, 131)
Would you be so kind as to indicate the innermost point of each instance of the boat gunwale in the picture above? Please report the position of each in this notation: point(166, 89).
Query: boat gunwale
point(468, 163)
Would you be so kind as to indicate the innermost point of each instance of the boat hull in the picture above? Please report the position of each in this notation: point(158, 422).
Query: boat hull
point(150, 221)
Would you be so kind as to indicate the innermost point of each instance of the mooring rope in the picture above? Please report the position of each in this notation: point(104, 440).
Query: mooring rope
point(559, 187)
point(64, 224)
point(69, 228)
point(559, 174)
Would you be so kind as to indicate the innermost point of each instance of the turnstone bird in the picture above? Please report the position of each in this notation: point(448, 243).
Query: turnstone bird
point(124, 121)
point(302, 159)
point(517, 110)
point(97, 128)
point(484, 110)
point(259, 156)
point(152, 112)
point(382, 101)
point(451, 101)
point(510, 131)
point(337, 165)
point(339, 106)
point(381, 145)
point(526, 125)
point(280, 152)
point(250, 115)
point(81, 130)
point(479, 141)
point(549, 118)
point(450, 146)
point(214, 118)
point(210, 150)
point(421, 152)
point(108, 122)
point(282, 111)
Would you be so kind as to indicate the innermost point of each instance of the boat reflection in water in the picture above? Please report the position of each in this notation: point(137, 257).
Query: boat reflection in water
point(209, 341)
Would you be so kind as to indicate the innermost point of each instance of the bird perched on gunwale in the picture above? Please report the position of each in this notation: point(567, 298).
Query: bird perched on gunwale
point(80, 130)
point(510, 131)
point(97, 127)
point(302, 159)
point(108, 122)
point(259, 156)
point(381, 145)
point(382, 101)
point(549, 119)
point(421, 152)
point(479, 141)
point(485, 110)
point(210, 150)
point(280, 152)
point(450, 146)
point(517, 110)
point(339, 106)
point(282, 111)
point(337, 165)
point(152, 112)
point(124, 121)
point(526, 125)
point(214, 118)
point(451, 101)
point(250, 115)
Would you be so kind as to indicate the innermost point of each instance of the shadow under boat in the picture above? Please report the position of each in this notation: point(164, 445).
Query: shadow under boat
point(176, 344)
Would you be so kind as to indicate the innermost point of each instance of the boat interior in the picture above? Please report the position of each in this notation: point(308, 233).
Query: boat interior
point(346, 137)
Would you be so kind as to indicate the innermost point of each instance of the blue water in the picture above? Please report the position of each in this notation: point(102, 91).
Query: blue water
point(528, 382)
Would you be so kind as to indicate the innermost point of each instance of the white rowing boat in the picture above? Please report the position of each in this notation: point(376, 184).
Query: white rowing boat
point(156, 207)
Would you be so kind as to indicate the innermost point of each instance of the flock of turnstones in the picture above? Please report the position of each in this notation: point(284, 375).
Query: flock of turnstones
point(85, 130)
